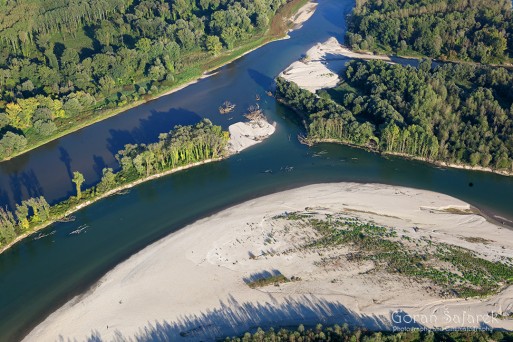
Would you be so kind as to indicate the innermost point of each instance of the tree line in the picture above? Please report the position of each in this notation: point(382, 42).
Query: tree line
point(324, 118)
point(61, 61)
point(182, 146)
point(469, 30)
point(455, 113)
point(342, 333)
point(12, 224)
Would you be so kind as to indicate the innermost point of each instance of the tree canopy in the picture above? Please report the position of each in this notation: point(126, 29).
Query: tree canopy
point(471, 30)
point(64, 60)
point(342, 333)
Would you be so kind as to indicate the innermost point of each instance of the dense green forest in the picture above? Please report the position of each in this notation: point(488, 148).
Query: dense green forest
point(472, 30)
point(455, 113)
point(342, 333)
point(182, 146)
point(64, 61)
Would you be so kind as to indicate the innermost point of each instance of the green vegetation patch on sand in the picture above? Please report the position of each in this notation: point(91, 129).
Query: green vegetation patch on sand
point(455, 271)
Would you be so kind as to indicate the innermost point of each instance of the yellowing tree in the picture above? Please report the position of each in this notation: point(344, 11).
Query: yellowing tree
point(78, 179)
point(20, 114)
point(213, 45)
point(57, 111)
point(13, 111)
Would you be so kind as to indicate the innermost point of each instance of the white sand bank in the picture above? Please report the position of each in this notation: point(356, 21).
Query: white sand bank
point(303, 15)
point(190, 285)
point(247, 134)
point(319, 68)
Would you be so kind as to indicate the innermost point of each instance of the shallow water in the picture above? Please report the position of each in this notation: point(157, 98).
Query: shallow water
point(37, 275)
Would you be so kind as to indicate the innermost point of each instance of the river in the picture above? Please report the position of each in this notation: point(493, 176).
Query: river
point(38, 275)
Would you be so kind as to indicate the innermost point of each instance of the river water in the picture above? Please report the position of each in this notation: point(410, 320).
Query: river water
point(38, 275)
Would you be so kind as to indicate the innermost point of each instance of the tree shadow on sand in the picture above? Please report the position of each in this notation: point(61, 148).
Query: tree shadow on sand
point(232, 318)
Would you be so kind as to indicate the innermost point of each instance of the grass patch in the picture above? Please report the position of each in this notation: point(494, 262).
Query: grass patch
point(78, 41)
point(268, 280)
point(458, 211)
point(475, 239)
point(338, 93)
point(456, 271)
point(505, 316)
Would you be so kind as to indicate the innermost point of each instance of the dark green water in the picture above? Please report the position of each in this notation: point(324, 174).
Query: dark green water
point(36, 276)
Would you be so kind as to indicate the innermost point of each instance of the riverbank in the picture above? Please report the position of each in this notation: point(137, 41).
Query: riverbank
point(451, 165)
point(437, 163)
point(242, 136)
point(284, 20)
point(194, 283)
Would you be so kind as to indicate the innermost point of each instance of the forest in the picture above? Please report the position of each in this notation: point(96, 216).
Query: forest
point(466, 30)
point(63, 62)
point(342, 333)
point(453, 113)
point(182, 146)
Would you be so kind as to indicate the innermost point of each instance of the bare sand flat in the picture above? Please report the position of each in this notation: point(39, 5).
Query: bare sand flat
point(303, 15)
point(247, 134)
point(319, 68)
point(192, 285)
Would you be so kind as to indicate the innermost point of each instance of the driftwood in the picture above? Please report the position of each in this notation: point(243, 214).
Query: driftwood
point(255, 113)
point(69, 218)
point(226, 107)
point(123, 192)
point(304, 140)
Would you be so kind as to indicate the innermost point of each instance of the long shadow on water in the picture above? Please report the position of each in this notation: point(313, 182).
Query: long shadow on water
point(150, 128)
point(22, 185)
point(99, 165)
point(262, 80)
point(27, 181)
point(4, 197)
point(66, 159)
